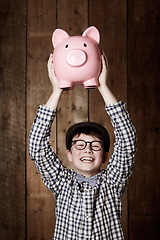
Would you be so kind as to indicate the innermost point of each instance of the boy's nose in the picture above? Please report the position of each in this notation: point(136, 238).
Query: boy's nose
point(88, 147)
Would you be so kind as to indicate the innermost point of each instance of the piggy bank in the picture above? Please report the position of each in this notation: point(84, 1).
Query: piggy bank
point(77, 59)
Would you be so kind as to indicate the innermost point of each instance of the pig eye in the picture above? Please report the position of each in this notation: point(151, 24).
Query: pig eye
point(66, 46)
point(85, 45)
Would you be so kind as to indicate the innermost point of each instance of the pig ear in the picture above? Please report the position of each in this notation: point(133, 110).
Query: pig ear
point(92, 32)
point(58, 36)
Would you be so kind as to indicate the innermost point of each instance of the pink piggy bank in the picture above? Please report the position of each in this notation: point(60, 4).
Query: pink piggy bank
point(77, 59)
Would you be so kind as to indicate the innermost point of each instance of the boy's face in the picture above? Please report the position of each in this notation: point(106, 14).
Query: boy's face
point(86, 162)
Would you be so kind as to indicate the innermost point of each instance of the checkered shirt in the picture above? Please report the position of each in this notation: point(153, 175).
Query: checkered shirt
point(82, 211)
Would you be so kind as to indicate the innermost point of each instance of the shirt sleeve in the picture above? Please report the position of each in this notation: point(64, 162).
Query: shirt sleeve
point(53, 173)
point(121, 162)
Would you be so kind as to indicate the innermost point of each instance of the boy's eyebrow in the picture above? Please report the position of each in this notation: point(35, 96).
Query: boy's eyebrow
point(98, 140)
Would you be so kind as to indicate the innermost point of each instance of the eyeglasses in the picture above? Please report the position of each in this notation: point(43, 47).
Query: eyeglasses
point(81, 144)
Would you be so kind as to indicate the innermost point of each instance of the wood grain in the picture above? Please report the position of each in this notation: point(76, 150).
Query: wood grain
point(144, 102)
point(12, 119)
point(40, 26)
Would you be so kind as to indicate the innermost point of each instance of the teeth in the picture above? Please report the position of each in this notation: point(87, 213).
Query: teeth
point(85, 159)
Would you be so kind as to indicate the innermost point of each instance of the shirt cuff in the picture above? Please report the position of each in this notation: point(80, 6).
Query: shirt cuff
point(45, 115)
point(115, 109)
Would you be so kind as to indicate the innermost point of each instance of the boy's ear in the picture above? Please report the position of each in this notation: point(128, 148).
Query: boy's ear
point(69, 155)
point(105, 157)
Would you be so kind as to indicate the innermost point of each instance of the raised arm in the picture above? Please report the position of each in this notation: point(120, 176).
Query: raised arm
point(56, 94)
point(50, 167)
point(121, 162)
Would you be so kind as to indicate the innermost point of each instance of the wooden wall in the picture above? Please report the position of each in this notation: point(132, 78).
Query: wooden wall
point(130, 38)
point(12, 119)
point(144, 105)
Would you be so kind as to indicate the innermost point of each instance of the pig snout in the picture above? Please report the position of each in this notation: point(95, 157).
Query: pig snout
point(76, 58)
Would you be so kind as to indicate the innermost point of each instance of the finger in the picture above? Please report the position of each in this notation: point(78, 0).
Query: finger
point(50, 62)
point(104, 61)
point(49, 59)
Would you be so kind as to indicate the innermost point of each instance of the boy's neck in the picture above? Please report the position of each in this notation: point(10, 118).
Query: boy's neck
point(87, 175)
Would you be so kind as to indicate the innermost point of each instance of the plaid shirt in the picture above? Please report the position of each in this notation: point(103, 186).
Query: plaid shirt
point(82, 211)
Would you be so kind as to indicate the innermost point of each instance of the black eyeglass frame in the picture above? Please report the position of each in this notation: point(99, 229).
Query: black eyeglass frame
point(90, 143)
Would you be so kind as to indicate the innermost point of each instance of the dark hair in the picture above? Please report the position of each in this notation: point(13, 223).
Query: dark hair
point(88, 128)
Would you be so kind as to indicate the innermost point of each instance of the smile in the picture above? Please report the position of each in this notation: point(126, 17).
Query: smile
point(87, 159)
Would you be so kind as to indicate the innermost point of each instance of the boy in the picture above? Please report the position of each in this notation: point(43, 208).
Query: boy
point(88, 200)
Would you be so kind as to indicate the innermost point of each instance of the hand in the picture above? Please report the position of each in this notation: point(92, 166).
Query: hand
point(106, 93)
point(104, 72)
point(51, 73)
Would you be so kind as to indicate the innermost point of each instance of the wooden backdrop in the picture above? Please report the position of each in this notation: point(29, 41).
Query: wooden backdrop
point(130, 33)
